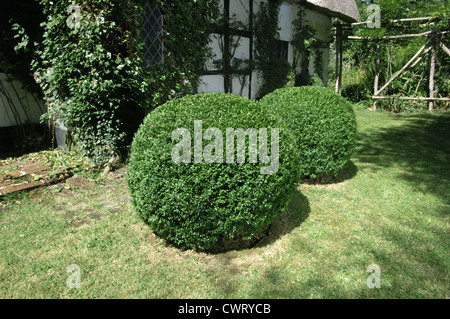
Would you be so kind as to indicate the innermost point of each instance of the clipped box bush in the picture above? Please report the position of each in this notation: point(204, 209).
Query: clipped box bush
point(324, 123)
point(201, 205)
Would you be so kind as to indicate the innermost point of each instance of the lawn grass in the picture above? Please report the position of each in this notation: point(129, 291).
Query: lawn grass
point(390, 207)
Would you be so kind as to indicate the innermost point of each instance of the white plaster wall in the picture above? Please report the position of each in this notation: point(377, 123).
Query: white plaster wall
point(243, 51)
point(31, 107)
point(288, 14)
point(211, 83)
point(216, 52)
point(240, 9)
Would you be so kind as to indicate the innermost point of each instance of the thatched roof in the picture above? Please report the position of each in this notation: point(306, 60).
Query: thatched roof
point(346, 10)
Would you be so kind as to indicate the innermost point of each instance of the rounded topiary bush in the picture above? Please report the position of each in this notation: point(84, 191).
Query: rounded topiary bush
point(324, 123)
point(200, 204)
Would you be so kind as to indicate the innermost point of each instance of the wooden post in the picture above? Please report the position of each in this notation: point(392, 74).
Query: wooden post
point(250, 53)
point(410, 98)
point(420, 58)
point(336, 70)
point(377, 75)
point(226, 49)
point(446, 50)
point(432, 73)
point(403, 68)
point(339, 52)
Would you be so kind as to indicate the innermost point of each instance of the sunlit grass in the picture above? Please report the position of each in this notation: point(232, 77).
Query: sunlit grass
point(390, 207)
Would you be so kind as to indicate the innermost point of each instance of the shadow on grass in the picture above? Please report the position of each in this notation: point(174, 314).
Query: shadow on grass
point(422, 260)
point(413, 258)
point(420, 146)
point(349, 171)
point(299, 209)
point(296, 213)
point(416, 270)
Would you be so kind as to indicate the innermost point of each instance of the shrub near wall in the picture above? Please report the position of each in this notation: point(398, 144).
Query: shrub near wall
point(324, 124)
point(199, 205)
point(89, 69)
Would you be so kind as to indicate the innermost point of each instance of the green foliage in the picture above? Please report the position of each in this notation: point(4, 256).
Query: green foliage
point(90, 72)
point(275, 75)
point(306, 45)
point(274, 71)
point(324, 124)
point(199, 205)
point(392, 55)
point(187, 29)
point(19, 32)
point(356, 92)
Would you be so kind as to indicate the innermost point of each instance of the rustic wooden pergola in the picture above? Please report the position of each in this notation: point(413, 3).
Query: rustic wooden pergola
point(434, 42)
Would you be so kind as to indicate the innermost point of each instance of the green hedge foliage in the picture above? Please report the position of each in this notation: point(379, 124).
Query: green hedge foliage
point(324, 123)
point(89, 69)
point(199, 205)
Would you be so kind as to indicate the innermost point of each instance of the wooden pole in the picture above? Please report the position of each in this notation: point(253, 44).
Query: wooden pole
point(404, 68)
point(400, 36)
point(394, 21)
point(250, 53)
point(377, 75)
point(411, 19)
point(432, 73)
point(227, 83)
point(425, 99)
point(420, 58)
point(446, 50)
point(339, 60)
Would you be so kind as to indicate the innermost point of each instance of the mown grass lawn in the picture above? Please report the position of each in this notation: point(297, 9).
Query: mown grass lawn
point(390, 207)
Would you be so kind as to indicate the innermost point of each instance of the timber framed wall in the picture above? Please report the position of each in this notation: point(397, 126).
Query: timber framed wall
point(221, 79)
point(224, 79)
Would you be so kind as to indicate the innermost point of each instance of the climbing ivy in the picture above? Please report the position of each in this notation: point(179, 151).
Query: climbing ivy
point(89, 66)
point(274, 71)
point(231, 66)
point(187, 26)
point(89, 69)
point(307, 46)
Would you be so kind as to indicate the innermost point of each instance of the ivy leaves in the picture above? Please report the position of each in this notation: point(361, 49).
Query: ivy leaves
point(91, 71)
point(186, 35)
